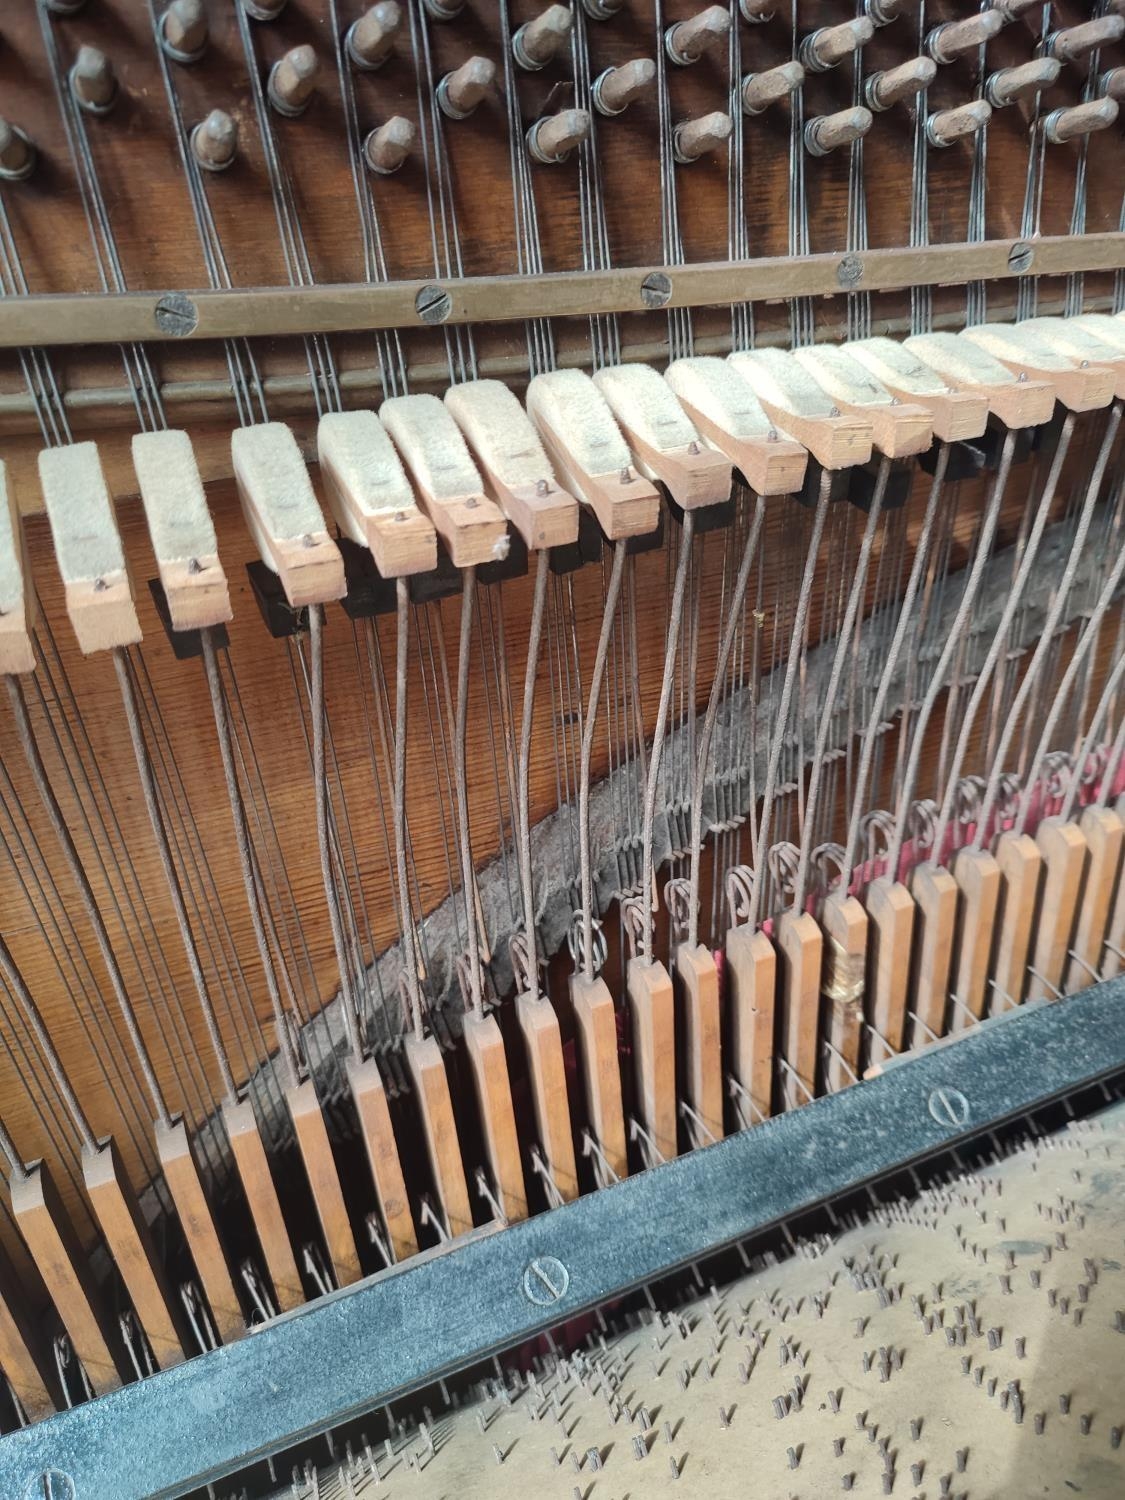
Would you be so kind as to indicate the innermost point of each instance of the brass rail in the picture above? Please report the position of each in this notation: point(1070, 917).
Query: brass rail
point(129, 317)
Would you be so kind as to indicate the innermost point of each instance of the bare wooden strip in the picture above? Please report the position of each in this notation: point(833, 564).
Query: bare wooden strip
point(844, 924)
point(24, 1356)
point(1064, 865)
point(540, 1026)
point(652, 1008)
point(699, 981)
point(324, 1181)
point(1104, 832)
point(194, 1213)
point(485, 1047)
point(17, 600)
point(261, 1196)
point(1112, 963)
point(800, 946)
point(1021, 866)
point(751, 974)
point(890, 912)
point(44, 321)
point(65, 1269)
point(366, 1085)
point(427, 1070)
point(935, 923)
point(130, 1243)
point(596, 1016)
point(978, 880)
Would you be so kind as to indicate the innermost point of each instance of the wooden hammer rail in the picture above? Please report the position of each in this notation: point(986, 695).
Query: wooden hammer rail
point(46, 321)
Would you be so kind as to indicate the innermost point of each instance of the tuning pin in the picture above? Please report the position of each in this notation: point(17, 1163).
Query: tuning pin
point(554, 137)
point(602, 10)
point(827, 132)
point(92, 81)
point(1113, 84)
point(883, 12)
point(1010, 84)
point(1067, 124)
point(64, 7)
point(461, 91)
point(387, 147)
point(183, 30)
point(955, 38)
point(616, 88)
point(760, 90)
point(292, 81)
point(444, 10)
point(896, 84)
point(17, 154)
point(695, 138)
point(214, 141)
point(1010, 9)
point(687, 41)
point(1077, 41)
point(757, 11)
point(823, 49)
point(370, 39)
point(263, 10)
point(949, 125)
point(537, 41)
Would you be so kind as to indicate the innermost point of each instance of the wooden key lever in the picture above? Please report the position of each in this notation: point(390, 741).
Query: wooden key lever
point(966, 366)
point(517, 473)
point(370, 496)
point(796, 403)
point(450, 488)
point(589, 453)
point(17, 601)
point(697, 983)
point(25, 1357)
point(724, 408)
point(750, 971)
point(666, 446)
point(652, 1012)
point(596, 1016)
point(899, 428)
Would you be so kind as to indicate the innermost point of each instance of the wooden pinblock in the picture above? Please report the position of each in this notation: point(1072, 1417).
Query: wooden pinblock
point(1021, 866)
point(935, 921)
point(958, 416)
point(965, 366)
point(24, 1356)
point(370, 1097)
point(796, 404)
point(589, 454)
point(17, 600)
point(596, 1017)
point(450, 488)
point(130, 1244)
point(751, 975)
point(844, 924)
point(283, 515)
point(1070, 338)
point(1104, 832)
point(1064, 852)
point(99, 596)
point(978, 882)
point(324, 1181)
point(369, 495)
point(890, 938)
point(261, 1196)
point(698, 980)
point(899, 428)
point(726, 411)
point(666, 446)
point(540, 1027)
point(64, 1266)
point(800, 946)
point(194, 1213)
point(431, 1086)
point(179, 526)
point(485, 1047)
point(1079, 386)
point(652, 1008)
point(517, 472)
